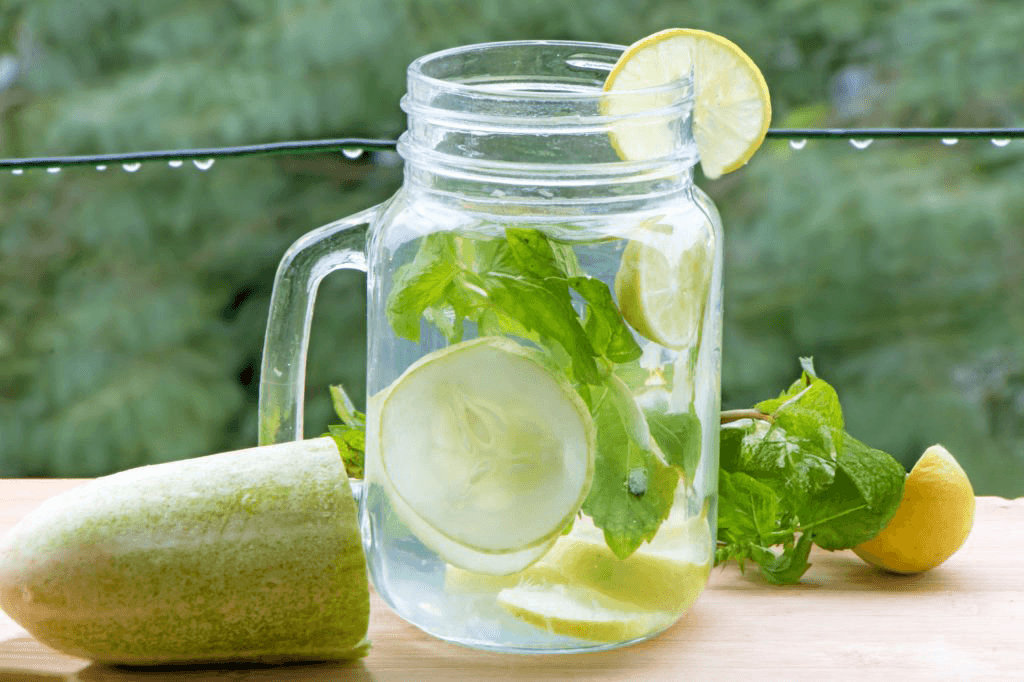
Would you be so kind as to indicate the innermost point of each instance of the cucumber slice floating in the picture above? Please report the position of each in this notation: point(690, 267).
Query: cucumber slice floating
point(486, 453)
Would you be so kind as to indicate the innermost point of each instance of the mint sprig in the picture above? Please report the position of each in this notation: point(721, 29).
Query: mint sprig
point(350, 435)
point(793, 477)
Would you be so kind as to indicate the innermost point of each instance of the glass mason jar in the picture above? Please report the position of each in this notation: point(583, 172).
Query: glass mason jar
point(544, 341)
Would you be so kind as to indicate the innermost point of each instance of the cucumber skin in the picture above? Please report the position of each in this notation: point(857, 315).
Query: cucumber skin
point(245, 556)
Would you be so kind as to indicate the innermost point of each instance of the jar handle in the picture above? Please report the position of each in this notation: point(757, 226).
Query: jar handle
point(335, 246)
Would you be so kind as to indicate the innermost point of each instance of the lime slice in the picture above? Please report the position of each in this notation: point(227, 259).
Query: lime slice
point(580, 589)
point(732, 107)
point(667, 574)
point(582, 613)
point(486, 453)
point(662, 285)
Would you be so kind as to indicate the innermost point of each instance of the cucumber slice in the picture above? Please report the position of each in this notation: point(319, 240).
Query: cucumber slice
point(486, 453)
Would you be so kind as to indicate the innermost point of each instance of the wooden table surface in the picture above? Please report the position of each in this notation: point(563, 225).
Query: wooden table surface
point(845, 621)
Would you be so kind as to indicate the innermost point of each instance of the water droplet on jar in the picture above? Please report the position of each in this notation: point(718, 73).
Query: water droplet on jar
point(101, 168)
point(176, 163)
point(352, 152)
point(203, 165)
point(53, 170)
point(949, 141)
point(861, 144)
point(798, 144)
point(17, 171)
point(1000, 141)
point(131, 167)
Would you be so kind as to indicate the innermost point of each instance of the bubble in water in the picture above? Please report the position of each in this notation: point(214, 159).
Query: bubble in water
point(861, 144)
point(101, 168)
point(203, 165)
point(53, 170)
point(1000, 141)
point(131, 167)
point(176, 163)
point(352, 153)
point(798, 144)
point(17, 171)
point(949, 141)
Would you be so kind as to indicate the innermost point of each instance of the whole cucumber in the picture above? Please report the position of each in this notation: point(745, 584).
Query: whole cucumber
point(245, 556)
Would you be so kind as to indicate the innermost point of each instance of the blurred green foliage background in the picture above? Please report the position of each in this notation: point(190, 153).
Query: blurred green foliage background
point(132, 305)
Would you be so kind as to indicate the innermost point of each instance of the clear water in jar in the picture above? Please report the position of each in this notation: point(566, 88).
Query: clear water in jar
point(655, 456)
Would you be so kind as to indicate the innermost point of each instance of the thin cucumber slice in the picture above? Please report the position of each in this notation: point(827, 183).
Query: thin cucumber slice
point(486, 452)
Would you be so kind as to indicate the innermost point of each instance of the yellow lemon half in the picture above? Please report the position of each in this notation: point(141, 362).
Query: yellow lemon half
point(732, 106)
point(933, 520)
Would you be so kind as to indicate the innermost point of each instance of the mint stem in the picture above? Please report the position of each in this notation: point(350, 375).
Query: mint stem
point(736, 415)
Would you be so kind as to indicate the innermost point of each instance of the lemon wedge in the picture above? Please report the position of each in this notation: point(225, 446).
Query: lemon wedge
point(933, 520)
point(581, 613)
point(662, 285)
point(732, 107)
point(484, 452)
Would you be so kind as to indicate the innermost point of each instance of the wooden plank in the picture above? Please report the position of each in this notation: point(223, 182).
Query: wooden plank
point(845, 621)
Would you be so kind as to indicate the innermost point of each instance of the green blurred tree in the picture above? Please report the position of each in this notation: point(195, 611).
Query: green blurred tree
point(132, 306)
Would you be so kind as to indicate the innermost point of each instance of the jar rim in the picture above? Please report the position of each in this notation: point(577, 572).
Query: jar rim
point(418, 73)
point(502, 109)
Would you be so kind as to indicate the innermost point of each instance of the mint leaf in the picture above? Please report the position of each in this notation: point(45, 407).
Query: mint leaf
point(803, 468)
point(813, 415)
point(421, 284)
point(730, 442)
point(351, 444)
point(604, 324)
point(446, 319)
point(749, 510)
point(859, 504)
point(877, 476)
point(679, 437)
point(541, 307)
point(350, 435)
point(788, 566)
point(534, 255)
point(345, 408)
point(627, 517)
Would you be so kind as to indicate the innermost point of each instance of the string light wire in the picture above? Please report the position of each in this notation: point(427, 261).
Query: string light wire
point(340, 145)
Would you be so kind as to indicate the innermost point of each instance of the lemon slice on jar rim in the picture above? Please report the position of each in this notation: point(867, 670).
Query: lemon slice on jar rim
point(732, 106)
